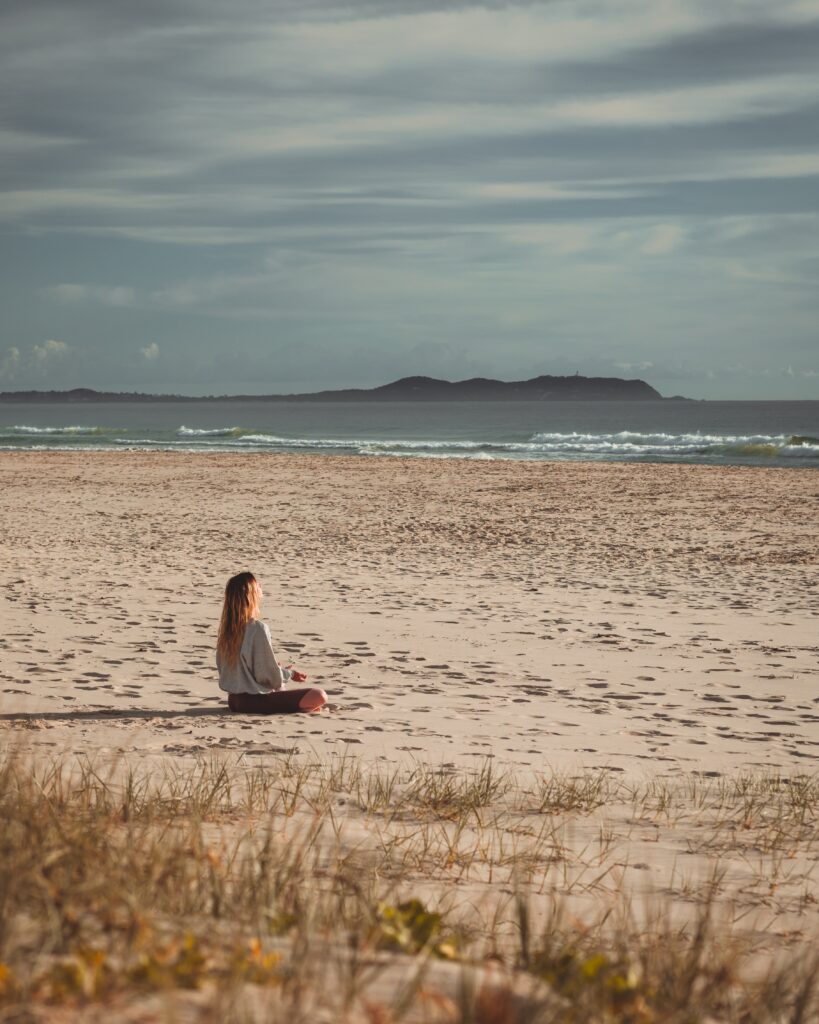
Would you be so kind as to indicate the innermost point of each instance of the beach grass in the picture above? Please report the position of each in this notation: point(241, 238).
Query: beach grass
point(303, 889)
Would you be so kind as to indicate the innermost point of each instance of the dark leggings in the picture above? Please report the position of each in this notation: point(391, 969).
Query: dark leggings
point(277, 702)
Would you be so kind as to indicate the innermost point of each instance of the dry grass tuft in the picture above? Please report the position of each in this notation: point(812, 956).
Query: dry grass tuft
point(331, 891)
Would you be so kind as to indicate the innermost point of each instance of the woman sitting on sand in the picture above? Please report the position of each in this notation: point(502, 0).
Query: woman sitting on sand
point(248, 669)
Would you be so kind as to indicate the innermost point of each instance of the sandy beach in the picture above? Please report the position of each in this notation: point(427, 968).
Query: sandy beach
point(633, 648)
point(633, 617)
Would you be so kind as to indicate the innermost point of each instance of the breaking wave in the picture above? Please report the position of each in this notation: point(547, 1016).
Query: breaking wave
point(53, 430)
point(725, 448)
point(625, 444)
point(216, 432)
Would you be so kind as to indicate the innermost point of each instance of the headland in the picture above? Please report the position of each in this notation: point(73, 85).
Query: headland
point(407, 389)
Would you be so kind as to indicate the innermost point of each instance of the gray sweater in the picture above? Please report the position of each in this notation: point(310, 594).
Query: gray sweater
point(256, 669)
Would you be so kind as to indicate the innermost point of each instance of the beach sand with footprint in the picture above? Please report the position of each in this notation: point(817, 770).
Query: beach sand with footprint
point(631, 617)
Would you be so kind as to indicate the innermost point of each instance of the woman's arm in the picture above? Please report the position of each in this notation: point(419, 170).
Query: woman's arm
point(266, 670)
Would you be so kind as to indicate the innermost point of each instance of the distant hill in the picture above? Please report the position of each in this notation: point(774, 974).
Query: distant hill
point(407, 389)
point(426, 389)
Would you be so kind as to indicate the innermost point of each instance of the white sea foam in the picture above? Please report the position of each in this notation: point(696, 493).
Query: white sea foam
point(795, 451)
point(23, 429)
point(215, 432)
point(144, 442)
point(298, 442)
point(624, 445)
point(659, 440)
point(663, 445)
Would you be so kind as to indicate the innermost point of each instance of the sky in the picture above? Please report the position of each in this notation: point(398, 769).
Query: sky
point(206, 198)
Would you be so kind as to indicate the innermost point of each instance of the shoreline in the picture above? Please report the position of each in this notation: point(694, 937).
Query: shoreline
point(785, 464)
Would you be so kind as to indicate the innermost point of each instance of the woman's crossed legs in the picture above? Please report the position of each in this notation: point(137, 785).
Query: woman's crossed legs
point(278, 702)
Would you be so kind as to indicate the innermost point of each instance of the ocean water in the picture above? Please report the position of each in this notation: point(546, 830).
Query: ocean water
point(717, 433)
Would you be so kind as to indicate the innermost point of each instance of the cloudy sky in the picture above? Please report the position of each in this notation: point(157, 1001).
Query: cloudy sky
point(278, 195)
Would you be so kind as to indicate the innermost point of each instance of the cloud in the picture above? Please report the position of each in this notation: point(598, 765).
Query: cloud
point(664, 238)
point(119, 295)
point(306, 104)
point(39, 357)
point(631, 367)
point(9, 363)
point(49, 350)
point(207, 291)
point(766, 275)
point(385, 172)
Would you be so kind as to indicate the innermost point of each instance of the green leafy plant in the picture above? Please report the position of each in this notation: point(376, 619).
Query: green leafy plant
point(409, 927)
point(597, 979)
point(85, 975)
point(177, 964)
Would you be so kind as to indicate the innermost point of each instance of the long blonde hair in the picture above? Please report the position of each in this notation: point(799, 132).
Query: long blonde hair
point(242, 597)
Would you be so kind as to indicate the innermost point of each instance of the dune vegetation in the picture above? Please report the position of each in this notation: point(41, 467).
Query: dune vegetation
point(310, 890)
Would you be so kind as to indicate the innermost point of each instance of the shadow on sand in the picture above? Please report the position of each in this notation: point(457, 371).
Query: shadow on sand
point(104, 715)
